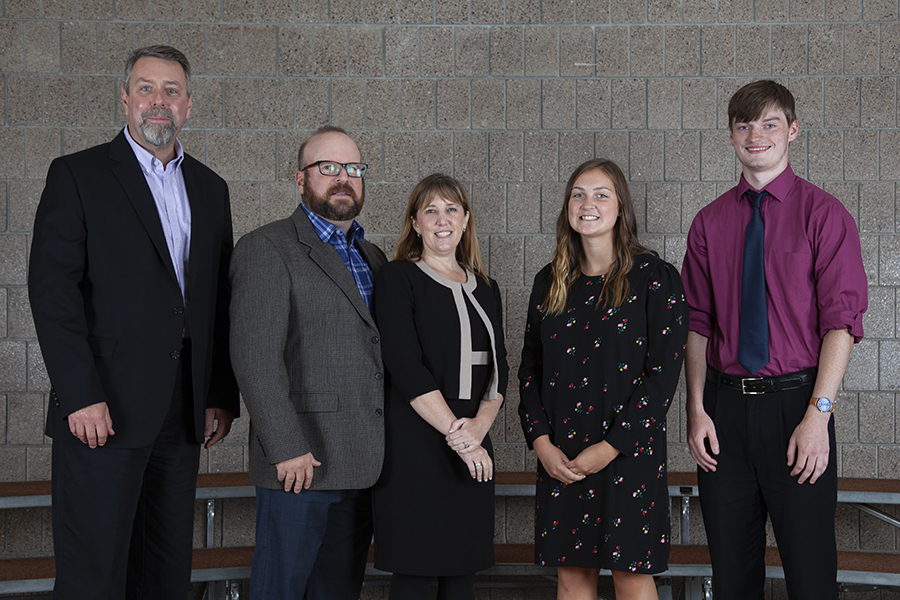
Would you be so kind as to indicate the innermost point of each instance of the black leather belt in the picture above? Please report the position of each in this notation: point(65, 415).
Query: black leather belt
point(763, 385)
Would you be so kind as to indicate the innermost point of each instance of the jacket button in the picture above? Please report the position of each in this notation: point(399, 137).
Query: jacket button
point(375, 339)
point(176, 355)
point(178, 310)
point(378, 412)
point(379, 376)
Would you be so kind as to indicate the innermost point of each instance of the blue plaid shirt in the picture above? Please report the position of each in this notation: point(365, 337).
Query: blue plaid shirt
point(347, 250)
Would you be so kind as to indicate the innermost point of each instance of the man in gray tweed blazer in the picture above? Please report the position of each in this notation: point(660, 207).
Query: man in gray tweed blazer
point(307, 357)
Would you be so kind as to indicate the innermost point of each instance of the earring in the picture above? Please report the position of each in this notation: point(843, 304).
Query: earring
point(418, 235)
point(464, 229)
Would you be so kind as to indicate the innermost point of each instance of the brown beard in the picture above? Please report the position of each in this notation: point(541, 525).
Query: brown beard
point(320, 204)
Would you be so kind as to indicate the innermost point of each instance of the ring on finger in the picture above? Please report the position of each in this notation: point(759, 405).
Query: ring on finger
point(477, 464)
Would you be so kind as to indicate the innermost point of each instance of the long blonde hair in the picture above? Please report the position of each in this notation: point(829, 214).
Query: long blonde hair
point(569, 253)
point(409, 247)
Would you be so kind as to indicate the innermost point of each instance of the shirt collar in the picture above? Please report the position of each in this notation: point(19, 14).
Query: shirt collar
point(145, 158)
point(778, 188)
point(325, 230)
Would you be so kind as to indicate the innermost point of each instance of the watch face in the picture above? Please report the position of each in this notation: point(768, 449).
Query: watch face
point(824, 404)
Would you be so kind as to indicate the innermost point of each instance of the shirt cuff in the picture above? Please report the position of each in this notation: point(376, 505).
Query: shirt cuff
point(842, 320)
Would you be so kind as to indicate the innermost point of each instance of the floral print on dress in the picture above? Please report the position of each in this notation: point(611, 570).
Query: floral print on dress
point(598, 372)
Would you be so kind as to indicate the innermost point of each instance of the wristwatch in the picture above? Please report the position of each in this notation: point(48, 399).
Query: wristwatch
point(823, 404)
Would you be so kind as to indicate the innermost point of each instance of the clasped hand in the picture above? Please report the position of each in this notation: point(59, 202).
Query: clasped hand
point(465, 437)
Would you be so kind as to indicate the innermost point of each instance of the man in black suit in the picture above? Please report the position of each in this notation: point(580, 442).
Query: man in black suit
point(128, 284)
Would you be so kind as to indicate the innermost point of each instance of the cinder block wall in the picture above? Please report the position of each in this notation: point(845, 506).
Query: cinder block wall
point(508, 97)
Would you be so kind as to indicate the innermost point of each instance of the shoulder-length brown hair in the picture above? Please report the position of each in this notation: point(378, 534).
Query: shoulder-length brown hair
point(567, 259)
point(409, 247)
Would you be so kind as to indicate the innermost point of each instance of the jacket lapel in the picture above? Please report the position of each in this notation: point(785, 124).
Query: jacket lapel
point(331, 264)
point(128, 171)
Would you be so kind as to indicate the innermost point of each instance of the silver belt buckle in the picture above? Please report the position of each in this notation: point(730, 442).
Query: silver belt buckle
point(744, 385)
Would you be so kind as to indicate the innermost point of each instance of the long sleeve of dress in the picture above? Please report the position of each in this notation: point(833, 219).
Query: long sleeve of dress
point(639, 417)
point(535, 421)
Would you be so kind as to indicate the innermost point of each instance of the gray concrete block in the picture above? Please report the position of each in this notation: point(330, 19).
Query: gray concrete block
point(401, 51)
point(552, 196)
point(221, 155)
point(860, 49)
point(417, 103)
point(751, 59)
point(506, 254)
point(870, 257)
point(489, 206)
point(38, 467)
point(382, 11)
point(646, 159)
point(879, 10)
point(114, 41)
point(682, 156)
point(42, 47)
point(771, 10)
point(825, 49)
point(664, 103)
point(13, 365)
point(12, 268)
point(878, 102)
point(698, 104)
point(717, 50)
point(41, 147)
point(417, 11)
point(734, 11)
point(245, 214)
point(542, 51)
point(890, 48)
point(382, 104)
point(470, 156)
point(348, 102)
point(295, 51)
point(628, 103)
point(876, 419)
point(575, 147)
point(278, 200)
point(523, 201)
point(862, 370)
point(21, 325)
point(38, 380)
point(808, 95)
point(846, 418)
point(611, 56)
point(238, 522)
point(576, 54)
point(259, 54)
point(789, 54)
point(239, 11)
point(807, 10)
point(258, 156)
point(436, 51)
point(541, 152)
point(452, 12)
point(196, 10)
point(24, 100)
point(523, 110)
point(614, 145)
point(79, 47)
point(879, 320)
point(558, 104)
point(664, 11)
point(453, 104)
point(826, 154)
point(277, 100)
point(859, 461)
point(26, 413)
point(507, 52)
point(385, 205)
point(330, 47)
point(842, 102)
point(648, 51)
point(889, 366)
point(717, 162)
point(538, 252)
point(848, 194)
point(876, 211)
point(557, 11)
point(275, 11)
point(694, 196)
point(888, 462)
point(435, 152)
point(682, 51)
point(663, 211)
point(346, 11)
point(241, 103)
point(506, 156)
point(222, 50)
point(627, 11)
point(399, 155)
point(592, 100)
point(472, 49)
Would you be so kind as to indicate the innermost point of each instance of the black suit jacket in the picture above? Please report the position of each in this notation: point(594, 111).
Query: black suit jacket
point(106, 303)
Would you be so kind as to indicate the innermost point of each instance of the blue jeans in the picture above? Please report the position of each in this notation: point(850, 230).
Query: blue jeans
point(312, 545)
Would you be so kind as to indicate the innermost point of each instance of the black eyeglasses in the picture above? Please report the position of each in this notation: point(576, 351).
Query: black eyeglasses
point(330, 168)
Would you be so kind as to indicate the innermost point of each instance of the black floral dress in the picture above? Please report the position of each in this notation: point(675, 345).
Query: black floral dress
point(597, 373)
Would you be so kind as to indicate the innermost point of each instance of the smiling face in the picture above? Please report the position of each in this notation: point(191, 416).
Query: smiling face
point(336, 199)
point(593, 205)
point(762, 144)
point(440, 222)
point(157, 105)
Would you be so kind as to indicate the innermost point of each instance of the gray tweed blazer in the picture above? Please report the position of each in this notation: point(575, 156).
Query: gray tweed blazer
point(307, 356)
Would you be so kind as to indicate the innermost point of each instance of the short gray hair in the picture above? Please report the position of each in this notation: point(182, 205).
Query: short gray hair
point(159, 51)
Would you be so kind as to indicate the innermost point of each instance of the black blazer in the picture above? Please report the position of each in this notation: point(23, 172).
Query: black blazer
point(107, 307)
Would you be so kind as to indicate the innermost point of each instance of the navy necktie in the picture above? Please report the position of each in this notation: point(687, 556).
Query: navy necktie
point(753, 348)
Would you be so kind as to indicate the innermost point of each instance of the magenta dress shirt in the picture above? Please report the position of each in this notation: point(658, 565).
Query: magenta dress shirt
point(815, 279)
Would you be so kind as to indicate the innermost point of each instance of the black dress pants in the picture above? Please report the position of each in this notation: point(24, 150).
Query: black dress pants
point(123, 517)
point(752, 479)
